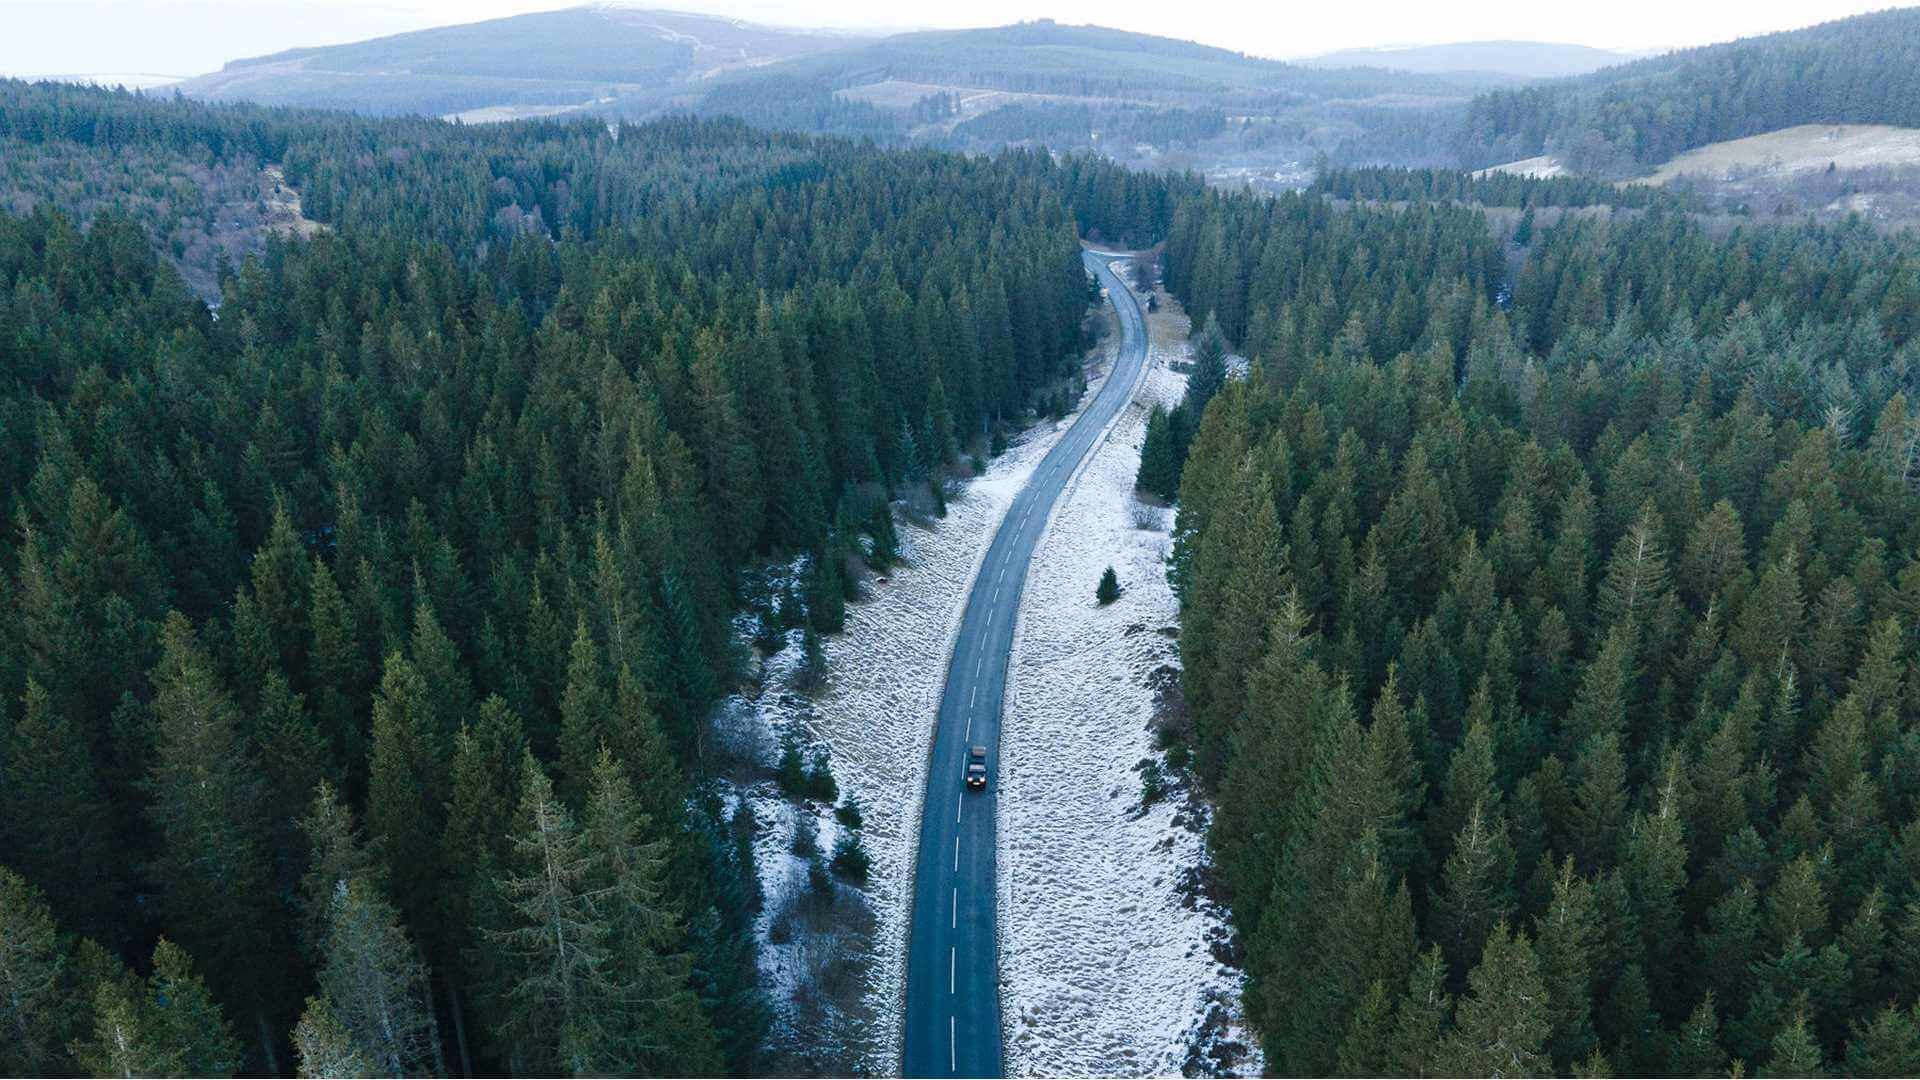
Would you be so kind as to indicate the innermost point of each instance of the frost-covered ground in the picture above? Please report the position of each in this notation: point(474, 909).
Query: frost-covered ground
point(1107, 951)
point(1112, 961)
point(874, 717)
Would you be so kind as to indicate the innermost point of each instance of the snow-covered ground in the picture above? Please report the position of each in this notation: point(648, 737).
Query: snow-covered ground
point(1107, 950)
point(875, 717)
point(1110, 956)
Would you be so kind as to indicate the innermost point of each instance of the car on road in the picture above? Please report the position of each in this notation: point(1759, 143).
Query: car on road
point(977, 767)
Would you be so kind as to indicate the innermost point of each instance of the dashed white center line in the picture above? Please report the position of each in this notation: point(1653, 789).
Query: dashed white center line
point(952, 1053)
point(955, 923)
point(957, 807)
point(956, 853)
point(953, 965)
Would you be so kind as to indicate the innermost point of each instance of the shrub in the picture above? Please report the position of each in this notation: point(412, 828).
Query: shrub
point(1153, 783)
point(791, 773)
point(820, 784)
point(850, 859)
point(1109, 589)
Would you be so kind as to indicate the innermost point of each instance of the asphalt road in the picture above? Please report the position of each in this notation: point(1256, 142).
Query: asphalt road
point(953, 985)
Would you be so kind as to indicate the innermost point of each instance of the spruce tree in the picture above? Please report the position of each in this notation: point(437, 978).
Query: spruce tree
point(552, 996)
point(408, 784)
point(373, 985)
point(1159, 473)
point(206, 810)
point(656, 1023)
point(1502, 1025)
point(56, 826)
point(170, 1026)
point(37, 1006)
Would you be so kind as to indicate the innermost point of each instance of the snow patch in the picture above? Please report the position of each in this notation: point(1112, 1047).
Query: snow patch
point(1113, 962)
point(874, 718)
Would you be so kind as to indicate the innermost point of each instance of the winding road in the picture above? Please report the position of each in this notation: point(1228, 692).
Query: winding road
point(953, 982)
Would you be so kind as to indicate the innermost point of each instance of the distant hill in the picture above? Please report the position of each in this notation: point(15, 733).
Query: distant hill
point(538, 64)
point(1152, 101)
point(1044, 56)
point(1624, 120)
point(1515, 59)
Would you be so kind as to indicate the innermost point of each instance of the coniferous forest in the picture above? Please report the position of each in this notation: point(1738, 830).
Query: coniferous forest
point(362, 626)
point(1553, 661)
point(1550, 610)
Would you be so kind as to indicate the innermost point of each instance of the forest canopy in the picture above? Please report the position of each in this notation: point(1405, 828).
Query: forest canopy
point(1551, 655)
point(368, 624)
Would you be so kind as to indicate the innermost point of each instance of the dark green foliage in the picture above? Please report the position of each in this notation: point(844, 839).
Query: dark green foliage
point(1611, 569)
point(850, 858)
point(1392, 184)
point(1160, 457)
point(792, 771)
point(812, 673)
point(1622, 119)
point(819, 785)
point(1164, 453)
point(1109, 588)
point(470, 477)
point(168, 1026)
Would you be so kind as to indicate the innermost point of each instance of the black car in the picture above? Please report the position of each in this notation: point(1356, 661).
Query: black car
point(977, 767)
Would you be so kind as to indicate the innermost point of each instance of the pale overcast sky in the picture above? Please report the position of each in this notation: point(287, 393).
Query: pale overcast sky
point(188, 37)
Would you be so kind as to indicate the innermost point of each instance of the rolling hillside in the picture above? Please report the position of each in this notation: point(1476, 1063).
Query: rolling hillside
point(1518, 60)
point(1624, 120)
point(619, 59)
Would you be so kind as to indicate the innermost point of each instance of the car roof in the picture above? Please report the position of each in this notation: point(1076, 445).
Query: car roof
point(979, 751)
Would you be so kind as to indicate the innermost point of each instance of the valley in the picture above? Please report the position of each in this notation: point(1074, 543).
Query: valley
point(605, 541)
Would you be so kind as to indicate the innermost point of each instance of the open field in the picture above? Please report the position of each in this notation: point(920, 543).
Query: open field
point(1543, 167)
point(1800, 149)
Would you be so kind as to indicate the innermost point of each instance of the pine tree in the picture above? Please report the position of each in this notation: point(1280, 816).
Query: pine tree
point(1502, 1026)
point(337, 669)
point(1109, 589)
point(407, 789)
point(553, 995)
point(1209, 367)
point(1794, 1052)
point(1421, 1020)
point(1566, 935)
point(373, 985)
point(1888, 1044)
point(170, 1026)
point(1160, 456)
point(325, 1047)
point(56, 826)
point(586, 717)
point(1653, 862)
point(656, 1024)
point(37, 1009)
point(335, 856)
point(1635, 581)
point(206, 810)
point(1697, 1051)
point(1475, 891)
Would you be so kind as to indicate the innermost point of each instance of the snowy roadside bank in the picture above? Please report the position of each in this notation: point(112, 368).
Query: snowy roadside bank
point(874, 719)
point(1111, 960)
